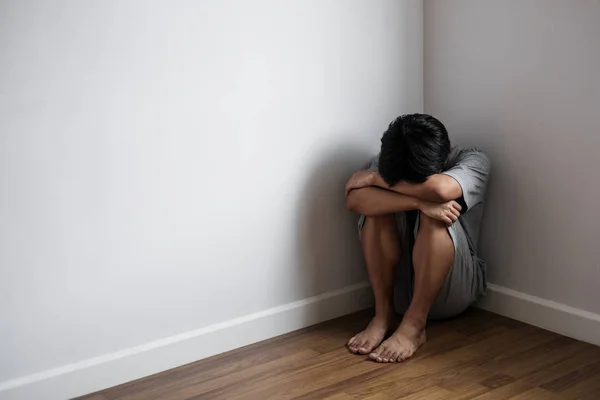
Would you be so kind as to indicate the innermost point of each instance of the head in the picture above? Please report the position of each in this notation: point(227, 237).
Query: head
point(414, 147)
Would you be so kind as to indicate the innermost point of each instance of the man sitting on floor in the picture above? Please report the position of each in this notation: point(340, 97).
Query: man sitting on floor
point(418, 184)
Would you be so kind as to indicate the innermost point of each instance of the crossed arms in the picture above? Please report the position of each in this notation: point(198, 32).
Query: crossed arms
point(369, 195)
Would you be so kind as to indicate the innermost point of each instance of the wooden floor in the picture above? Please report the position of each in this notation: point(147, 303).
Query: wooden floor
point(476, 356)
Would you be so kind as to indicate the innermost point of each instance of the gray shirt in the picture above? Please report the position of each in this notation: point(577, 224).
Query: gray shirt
point(470, 168)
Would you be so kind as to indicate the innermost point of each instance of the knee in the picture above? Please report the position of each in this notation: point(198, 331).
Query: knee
point(433, 229)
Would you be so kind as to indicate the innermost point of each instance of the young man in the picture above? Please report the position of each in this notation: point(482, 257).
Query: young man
point(421, 197)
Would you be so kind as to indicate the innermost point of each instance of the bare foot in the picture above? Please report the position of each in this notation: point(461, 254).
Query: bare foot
point(402, 344)
point(367, 340)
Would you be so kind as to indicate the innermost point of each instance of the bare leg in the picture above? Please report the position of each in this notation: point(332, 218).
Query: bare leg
point(381, 248)
point(433, 255)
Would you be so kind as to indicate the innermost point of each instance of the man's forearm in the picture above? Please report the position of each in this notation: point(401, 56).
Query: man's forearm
point(372, 201)
point(438, 188)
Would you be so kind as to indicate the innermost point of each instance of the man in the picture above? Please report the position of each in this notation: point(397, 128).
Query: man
point(418, 190)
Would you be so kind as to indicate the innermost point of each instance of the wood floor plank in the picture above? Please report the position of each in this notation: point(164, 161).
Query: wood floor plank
point(340, 396)
point(431, 393)
point(588, 389)
point(539, 357)
point(505, 392)
point(377, 396)
point(497, 381)
point(573, 378)
point(525, 338)
point(537, 393)
point(479, 355)
point(468, 392)
point(552, 372)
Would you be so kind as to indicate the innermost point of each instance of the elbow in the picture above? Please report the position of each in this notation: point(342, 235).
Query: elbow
point(351, 202)
point(360, 202)
point(447, 192)
point(442, 193)
point(355, 202)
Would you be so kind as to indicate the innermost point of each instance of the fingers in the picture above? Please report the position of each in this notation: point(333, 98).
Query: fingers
point(453, 216)
point(447, 213)
point(456, 206)
point(450, 216)
point(455, 212)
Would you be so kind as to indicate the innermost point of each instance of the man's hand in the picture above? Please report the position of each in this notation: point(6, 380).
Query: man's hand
point(360, 180)
point(446, 212)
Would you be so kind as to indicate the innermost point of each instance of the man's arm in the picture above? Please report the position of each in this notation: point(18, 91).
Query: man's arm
point(372, 201)
point(438, 188)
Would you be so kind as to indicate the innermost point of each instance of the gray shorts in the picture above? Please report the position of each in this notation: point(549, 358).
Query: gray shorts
point(464, 285)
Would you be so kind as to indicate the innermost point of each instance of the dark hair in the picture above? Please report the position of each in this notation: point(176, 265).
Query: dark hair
point(414, 147)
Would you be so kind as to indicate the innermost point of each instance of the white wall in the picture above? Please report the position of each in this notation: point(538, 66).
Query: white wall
point(167, 165)
point(520, 79)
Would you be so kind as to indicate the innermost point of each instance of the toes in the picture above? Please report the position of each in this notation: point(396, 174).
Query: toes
point(401, 356)
point(386, 356)
point(376, 355)
point(351, 345)
point(394, 357)
point(351, 341)
point(376, 358)
point(358, 343)
point(365, 348)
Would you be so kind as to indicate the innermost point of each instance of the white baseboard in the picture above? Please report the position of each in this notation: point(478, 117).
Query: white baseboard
point(97, 373)
point(547, 314)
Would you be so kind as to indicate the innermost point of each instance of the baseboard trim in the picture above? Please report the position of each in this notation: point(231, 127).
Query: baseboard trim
point(556, 317)
point(101, 372)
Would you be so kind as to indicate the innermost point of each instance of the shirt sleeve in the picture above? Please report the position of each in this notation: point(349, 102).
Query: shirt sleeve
point(471, 171)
